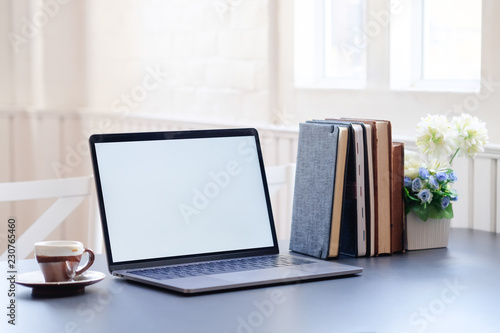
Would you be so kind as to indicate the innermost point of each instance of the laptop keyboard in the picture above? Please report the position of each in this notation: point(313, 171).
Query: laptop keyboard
point(218, 267)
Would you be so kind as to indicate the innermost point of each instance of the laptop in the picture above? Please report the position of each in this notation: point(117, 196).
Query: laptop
point(190, 211)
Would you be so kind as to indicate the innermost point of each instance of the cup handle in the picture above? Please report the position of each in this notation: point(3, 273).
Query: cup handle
point(89, 263)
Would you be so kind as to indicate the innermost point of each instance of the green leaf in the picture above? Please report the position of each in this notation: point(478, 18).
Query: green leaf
point(435, 211)
point(430, 211)
point(422, 211)
point(448, 212)
point(409, 196)
point(452, 193)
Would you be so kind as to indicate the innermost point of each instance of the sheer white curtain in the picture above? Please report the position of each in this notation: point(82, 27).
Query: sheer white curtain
point(43, 83)
point(43, 56)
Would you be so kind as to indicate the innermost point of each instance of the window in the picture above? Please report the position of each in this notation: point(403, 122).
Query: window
point(329, 43)
point(345, 43)
point(436, 45)
point(432, 45)
point(451, 47)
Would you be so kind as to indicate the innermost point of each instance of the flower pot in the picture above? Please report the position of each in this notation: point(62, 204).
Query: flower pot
point(426, 235)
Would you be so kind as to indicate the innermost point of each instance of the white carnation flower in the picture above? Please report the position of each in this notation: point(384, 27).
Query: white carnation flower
point(433, 136)
point(470, 134)
point(435, 165)
point(413, 162)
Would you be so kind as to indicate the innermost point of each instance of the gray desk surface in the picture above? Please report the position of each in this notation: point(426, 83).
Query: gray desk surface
point(456, 289)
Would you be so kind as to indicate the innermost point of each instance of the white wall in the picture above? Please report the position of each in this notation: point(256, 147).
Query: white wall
point(6, 96)
point(199, 59)
point(403, 108)
point(224, 61)
point(42, 56)
point(213, 56)
point(59, 58)
point(218, 59)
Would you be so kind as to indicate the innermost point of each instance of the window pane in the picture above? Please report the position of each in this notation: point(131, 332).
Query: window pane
point(452, 40)
point(345, 40)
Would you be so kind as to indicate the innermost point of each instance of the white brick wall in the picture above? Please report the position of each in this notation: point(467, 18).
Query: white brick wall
point(206, 44)
point(215, 53)
point(184, 43)
point(93, 52)
point(249, 15)
point(217, 74)
point(242, 75)
point(240, 44)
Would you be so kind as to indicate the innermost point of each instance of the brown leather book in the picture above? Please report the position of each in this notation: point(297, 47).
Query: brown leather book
point(397, 201)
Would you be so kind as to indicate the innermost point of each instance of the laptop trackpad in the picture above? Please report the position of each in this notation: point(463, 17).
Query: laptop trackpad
point(293, 273)
point(241, 279)
point(235, 279)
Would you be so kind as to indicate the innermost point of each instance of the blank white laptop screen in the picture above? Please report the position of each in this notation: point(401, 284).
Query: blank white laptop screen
point(167, 198)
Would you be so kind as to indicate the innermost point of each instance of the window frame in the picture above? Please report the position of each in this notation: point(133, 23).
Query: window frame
point(402, 60)
point(406, 54)
point(309, 52)
point(403, 107)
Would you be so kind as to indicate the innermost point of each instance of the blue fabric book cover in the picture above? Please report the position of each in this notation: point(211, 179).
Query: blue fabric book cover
point(353, 226)
point(314, 189)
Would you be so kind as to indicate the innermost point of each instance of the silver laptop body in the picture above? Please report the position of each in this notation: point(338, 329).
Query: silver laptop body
point(174, 199)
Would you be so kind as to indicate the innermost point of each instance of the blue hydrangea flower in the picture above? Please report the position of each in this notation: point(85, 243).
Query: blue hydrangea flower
point(455, 198)
point(407, 182)
point(433, 183)
point(423, 173)
point(425, 196)
point(441, 176)
point(445, 202)
point(453, 176)
point(416, 184)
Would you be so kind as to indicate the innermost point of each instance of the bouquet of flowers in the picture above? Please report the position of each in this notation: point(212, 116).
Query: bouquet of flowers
point(429, 177)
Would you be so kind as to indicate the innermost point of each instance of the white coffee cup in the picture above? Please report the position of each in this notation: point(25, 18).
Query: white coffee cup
point(59, 260)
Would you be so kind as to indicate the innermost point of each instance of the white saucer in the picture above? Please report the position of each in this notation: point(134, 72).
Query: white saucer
point(36, 281)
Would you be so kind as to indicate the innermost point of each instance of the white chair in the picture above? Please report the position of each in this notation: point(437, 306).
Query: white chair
point(70, 193)
point(281, 182)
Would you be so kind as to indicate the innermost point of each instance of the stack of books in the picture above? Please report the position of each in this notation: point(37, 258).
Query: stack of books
point(348, 196)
